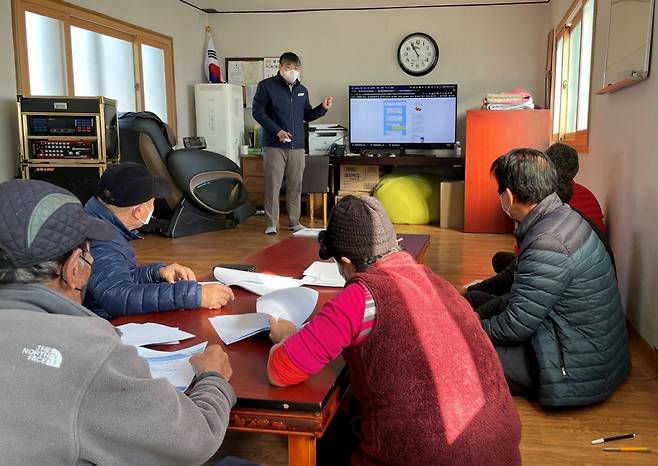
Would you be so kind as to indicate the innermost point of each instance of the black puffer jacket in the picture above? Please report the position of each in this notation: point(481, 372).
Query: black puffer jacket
point(565, 300)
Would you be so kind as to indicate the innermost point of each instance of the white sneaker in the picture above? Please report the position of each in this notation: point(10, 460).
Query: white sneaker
point(296, 228)
point(270, 230)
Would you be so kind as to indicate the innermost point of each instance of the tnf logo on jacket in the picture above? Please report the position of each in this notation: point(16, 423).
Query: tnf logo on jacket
point(44, 355)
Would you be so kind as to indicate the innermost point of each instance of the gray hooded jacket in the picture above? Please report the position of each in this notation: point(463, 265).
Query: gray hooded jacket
point(74, 395)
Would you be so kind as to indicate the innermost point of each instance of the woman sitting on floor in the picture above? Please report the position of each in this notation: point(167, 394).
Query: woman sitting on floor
point(427, 384)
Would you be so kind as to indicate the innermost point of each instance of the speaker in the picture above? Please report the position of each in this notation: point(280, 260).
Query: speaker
point(81, 180)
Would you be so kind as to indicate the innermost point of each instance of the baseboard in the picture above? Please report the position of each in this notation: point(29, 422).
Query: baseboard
point(643, 353)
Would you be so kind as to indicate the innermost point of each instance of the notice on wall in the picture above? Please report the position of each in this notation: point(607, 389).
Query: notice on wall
point(235, 73)
point(270, 67)
point(252, 71)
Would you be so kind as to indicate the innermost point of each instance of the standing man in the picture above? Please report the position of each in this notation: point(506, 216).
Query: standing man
point(281, 106)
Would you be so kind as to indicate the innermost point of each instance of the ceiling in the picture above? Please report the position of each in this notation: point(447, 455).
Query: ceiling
point(261, 6)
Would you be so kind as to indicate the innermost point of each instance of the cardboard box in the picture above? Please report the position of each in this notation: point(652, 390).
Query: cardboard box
point(452, 205)
point(341, 194)
point(359, 177)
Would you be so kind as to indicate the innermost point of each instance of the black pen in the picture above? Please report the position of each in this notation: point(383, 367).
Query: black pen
point(614, 437)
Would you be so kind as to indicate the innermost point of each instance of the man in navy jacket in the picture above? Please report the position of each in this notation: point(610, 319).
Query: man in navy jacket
point(118, 287)
point(281, 106)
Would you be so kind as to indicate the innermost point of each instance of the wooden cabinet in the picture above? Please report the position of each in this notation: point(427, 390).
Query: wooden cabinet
point(489, 134)
point(254, 178)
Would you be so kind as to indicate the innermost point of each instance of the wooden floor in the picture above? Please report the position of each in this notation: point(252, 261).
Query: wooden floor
point(549, 437)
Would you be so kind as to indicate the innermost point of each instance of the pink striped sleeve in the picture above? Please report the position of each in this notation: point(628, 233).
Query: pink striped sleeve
point(331, 330)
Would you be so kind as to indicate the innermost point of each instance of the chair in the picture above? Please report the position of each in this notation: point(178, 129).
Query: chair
point(207, 189)
point(316, 180)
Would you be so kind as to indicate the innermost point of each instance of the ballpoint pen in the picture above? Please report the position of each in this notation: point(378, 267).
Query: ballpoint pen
point(611, 438)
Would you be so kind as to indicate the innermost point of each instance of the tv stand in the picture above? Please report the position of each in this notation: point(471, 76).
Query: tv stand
point(452, 166)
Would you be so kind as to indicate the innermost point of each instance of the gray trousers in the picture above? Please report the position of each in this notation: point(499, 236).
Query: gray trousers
point(278, 162)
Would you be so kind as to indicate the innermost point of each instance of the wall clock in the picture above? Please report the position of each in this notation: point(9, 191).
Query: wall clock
point(418, 54)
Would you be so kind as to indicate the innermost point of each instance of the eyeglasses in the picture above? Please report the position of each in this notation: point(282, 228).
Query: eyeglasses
point(82, 256)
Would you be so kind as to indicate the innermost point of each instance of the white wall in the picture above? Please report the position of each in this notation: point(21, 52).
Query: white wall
point(8, 122)
point(621, 169)
point(482, 49)
point(183, 23)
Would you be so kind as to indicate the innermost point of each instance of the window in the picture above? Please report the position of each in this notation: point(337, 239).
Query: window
point(573, 66)
point(62, 49)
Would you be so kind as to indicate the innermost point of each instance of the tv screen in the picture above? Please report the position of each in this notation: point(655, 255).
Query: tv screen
point(421, 116)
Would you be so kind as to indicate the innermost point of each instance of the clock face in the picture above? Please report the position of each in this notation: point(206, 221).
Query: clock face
point(418, 54)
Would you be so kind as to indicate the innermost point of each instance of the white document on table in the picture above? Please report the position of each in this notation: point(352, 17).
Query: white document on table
point(151, 334)
point(323, 274)
point(308, 232)
point(258, 283)
point(172, 365)
point(293, 304)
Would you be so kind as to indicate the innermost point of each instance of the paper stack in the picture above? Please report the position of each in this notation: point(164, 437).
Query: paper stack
point(173, 366)
point(293, 304)
point(323, 274)
point(258, 283)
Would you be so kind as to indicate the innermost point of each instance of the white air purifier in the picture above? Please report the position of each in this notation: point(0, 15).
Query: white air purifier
point(220, 118)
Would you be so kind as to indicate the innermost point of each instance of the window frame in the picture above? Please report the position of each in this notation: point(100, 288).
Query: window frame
point(580, 138)
point(73, 15)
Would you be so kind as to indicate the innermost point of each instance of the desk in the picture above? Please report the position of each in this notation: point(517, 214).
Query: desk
point(301, 412)
point(454, 165)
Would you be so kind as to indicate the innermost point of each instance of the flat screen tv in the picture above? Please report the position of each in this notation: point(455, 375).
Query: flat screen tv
point(420, 116)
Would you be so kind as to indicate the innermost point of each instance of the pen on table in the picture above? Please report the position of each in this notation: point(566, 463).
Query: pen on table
point(629, 449)
point(611, 438)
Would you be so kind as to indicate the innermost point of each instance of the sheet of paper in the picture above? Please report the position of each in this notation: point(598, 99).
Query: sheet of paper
point(252, 71)
point(172, 365)
point(308, 232)
point(294, 304)
point(151, 334)
point(176, 369)
point(323, 274)
point(235, 73)
point(233, 328)
point(250, 92)
point(151, 353)
point(270, 67)
point(258, 283)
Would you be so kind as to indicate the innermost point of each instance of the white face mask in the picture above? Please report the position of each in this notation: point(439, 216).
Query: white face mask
point(502, 205)
point(148, 218)
point(291, 76)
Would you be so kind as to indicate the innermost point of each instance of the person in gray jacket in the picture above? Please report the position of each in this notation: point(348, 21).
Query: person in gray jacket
point(72, 392)
point(559, 327)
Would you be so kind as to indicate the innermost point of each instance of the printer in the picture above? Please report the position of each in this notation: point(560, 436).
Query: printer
point(322, 137)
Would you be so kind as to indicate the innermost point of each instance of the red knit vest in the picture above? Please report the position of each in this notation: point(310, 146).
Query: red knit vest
point(427, 382)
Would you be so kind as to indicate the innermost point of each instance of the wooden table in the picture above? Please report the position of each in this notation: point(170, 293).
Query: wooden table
point(302, 412)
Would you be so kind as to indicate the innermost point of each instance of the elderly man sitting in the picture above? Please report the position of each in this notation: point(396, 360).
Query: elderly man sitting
point(72, 393)
point(560, 331)
point(118, 286)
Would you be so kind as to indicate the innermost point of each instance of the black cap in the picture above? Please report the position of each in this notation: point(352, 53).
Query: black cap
point(40, 222)
point(129, 184)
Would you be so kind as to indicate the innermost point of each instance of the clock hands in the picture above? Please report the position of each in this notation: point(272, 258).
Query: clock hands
point(414, 47)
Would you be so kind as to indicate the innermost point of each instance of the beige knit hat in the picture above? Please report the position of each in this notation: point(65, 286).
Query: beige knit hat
point(358, 228)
